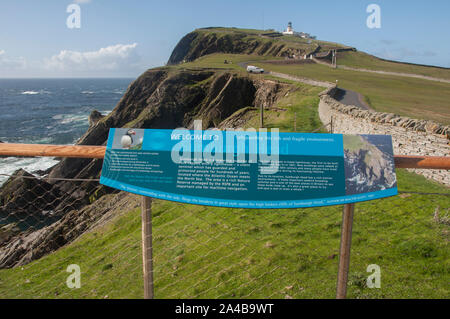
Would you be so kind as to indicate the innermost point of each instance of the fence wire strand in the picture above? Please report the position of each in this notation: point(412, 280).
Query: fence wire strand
point(207, 252)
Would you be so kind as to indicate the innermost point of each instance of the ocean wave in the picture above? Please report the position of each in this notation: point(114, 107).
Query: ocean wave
point(71, 118)
point(10, 164)
point(36, 92)
point(87, 92)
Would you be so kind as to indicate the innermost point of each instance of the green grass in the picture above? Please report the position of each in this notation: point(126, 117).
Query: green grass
point(363, 60)
point(301, 103)
point(288, 40)
point(217, 60)
point(404, 96)
point(209, 252)
point(410, 97)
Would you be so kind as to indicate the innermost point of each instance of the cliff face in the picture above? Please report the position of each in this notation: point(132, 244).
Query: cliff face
point(160, 98)
point(202, 42)
point(164, 98)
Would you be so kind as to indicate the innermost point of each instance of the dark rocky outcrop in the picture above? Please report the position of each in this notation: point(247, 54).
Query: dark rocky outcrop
point(32, 203)
point(8, 231)
point(164, 98)
point(160, 98)
point(31, 245)
point(94, 117)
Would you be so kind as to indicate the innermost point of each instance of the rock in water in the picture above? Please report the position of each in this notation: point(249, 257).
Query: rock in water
point(94, 117)
point(28, 201)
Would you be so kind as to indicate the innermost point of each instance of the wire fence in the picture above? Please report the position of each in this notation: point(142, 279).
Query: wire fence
point(49, 224)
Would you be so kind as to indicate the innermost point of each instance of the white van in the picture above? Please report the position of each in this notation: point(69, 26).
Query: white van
point(254, 69)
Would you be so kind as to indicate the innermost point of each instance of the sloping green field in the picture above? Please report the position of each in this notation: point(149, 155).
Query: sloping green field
point(410, 97)
point(415, 98)
point(207, 252)
point(361, 60)
point(204, 252)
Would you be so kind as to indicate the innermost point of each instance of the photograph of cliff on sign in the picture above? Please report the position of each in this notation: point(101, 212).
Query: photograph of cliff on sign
point(72, 70)
point(369, 163)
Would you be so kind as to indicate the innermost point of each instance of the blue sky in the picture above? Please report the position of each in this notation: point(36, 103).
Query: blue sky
point(122, 38)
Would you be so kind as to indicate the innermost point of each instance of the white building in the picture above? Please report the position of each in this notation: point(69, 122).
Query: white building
point(289, 30)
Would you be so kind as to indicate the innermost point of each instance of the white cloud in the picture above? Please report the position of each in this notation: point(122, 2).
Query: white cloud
point(112, 58)
point(11, 63)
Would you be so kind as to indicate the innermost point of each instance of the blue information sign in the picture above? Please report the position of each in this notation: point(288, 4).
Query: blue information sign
point(250, 169)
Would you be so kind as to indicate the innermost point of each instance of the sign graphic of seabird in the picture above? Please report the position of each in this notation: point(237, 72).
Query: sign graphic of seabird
point(127, 139)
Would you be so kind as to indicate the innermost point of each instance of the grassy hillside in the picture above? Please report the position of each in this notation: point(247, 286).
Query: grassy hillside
point(411, 97)
point(231, 253)
point(243, 41)
point(363, 60)
point(206, 252)
point(289, 40)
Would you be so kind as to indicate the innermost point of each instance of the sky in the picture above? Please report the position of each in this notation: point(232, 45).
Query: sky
point(123, 38)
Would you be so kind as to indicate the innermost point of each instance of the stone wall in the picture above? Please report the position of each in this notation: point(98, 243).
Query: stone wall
point(409, 136)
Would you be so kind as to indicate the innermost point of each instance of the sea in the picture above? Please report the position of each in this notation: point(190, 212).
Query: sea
point(51, 111)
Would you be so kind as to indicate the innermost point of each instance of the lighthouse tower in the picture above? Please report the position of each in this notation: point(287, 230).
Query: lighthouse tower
point(289, 29)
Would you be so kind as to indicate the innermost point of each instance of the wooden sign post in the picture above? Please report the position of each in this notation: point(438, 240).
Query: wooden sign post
point(261, 116)
point(344, 252)
point(147, 246)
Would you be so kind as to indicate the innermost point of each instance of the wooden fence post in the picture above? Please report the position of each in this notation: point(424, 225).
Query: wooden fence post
point(331, 125)
point(344, 252)
point(295, 122)
point(147, 246)
point(261, 116)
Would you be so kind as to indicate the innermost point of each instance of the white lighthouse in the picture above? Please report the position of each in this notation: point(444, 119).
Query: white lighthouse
point(289, 29)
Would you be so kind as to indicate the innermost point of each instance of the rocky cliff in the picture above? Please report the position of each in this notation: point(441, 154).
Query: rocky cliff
point(163, 98)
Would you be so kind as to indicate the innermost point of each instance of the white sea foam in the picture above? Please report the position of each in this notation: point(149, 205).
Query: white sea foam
point(87, 92)
point(74, 118)
point(36, 92)
point(10, 164)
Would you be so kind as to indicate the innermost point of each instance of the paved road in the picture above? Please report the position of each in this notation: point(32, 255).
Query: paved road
point(346, 97)
point(349, 97)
